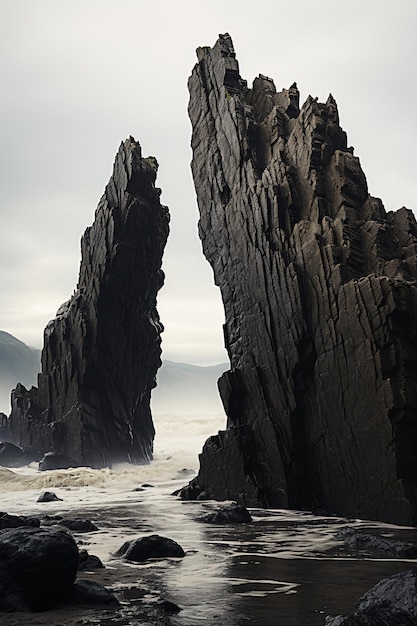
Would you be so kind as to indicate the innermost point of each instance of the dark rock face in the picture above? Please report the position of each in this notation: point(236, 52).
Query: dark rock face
point(11, 455)
point(151, 547)
point(102, 351)
point(37, 568)
point(4, 426)
point(393, 601)
point(319, 289)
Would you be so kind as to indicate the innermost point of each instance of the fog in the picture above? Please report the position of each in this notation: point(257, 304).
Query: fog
point(181, 388)
point(79, 77)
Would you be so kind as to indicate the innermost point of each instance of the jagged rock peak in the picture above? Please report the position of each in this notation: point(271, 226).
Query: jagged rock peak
point(102, 351)
point(319, 290)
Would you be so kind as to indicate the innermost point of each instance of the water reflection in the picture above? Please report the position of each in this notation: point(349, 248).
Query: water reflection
point(281, 567)
point(285, 567)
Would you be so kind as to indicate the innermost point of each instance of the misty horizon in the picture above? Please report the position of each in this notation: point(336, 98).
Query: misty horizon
point(182, 388)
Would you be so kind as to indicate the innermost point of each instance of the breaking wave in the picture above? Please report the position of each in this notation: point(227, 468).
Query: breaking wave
point(178, 441)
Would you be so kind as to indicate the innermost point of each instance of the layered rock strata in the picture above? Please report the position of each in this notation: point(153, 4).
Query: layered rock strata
point(319, 290)
point(102, 351)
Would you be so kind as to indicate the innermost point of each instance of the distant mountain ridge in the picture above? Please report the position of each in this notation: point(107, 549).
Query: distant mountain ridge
point(185, 388)
point(182, 387)
point(19, 363)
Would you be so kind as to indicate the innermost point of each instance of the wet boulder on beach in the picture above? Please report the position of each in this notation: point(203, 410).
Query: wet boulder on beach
point(90, 592)
point(38, 568)
point(17, 521)
point(392, 602)
point(226, 513)
point(150, 547)
point(48, 496)
point(88, 562)
point(367, 544)
point(171, 608)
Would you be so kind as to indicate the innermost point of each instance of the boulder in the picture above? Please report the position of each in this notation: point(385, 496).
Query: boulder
point(48, 496)
point(227, 513)
point(78, 525)
point(37, 568)
point(88, 562)
point(90, 592)
point(102, 351)
point(151, 547)
point(56, 460)
point(17, 521)
point(319, 285)
point(392, 602)
point(373, 546)
point(171, 608)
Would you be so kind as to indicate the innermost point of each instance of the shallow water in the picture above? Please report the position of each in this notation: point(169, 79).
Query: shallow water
point(286, 567)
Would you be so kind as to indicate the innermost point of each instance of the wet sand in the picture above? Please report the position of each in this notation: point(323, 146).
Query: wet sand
point(256, 590)
point(286, 567)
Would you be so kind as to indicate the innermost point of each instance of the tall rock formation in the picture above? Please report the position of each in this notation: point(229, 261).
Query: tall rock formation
point(102, 351)
point(319, 290)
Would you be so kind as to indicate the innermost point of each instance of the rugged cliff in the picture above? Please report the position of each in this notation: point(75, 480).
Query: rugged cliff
point(102, 351)
point(319, 290)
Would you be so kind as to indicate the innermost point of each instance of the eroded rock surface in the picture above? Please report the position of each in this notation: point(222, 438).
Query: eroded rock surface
point(37, 568)
point(102, 351)
point(226, 513)
point(150, 547)
point(319, 290)
point(392, 602)
point(370, 545)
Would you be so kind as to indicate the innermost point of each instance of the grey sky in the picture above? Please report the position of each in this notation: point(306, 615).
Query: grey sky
point(80, 76)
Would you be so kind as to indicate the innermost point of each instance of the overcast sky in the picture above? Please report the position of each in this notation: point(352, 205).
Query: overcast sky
point(79, 76)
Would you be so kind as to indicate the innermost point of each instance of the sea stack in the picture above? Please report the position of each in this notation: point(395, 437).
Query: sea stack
point(102, 351)
point(318, 284)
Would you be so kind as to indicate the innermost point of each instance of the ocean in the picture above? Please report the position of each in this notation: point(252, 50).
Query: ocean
point(286, 567)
